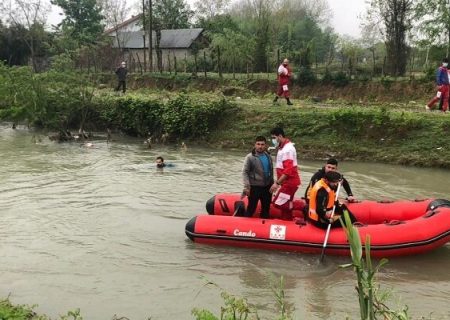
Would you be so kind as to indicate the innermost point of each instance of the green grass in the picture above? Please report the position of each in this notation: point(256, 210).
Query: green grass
point(393, 133)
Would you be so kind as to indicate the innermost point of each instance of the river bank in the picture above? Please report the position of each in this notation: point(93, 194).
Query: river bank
point(102, 230)
point(396, 134)
point(383, 121)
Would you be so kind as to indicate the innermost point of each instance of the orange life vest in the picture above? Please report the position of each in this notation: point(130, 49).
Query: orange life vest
point(313, 199)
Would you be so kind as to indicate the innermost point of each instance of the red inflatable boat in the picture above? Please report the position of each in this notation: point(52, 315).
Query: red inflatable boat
point(395, 228)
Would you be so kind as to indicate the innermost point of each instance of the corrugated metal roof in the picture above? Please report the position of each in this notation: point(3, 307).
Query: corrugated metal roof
point(123, 24)
point(170, 39)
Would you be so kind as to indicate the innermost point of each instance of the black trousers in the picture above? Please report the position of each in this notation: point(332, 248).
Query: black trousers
point(122, 84)
point(336, 224)
point(259, 194)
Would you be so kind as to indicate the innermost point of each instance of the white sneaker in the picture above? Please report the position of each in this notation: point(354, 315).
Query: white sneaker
point(427, 107)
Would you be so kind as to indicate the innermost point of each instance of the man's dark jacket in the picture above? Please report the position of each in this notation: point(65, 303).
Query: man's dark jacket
point(319, 175)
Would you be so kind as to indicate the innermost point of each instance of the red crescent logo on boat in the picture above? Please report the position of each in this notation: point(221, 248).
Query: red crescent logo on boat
point(249, 233)
point(277, 232)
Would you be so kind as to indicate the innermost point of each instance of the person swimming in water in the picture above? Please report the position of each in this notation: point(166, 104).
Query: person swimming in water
point(161, 164)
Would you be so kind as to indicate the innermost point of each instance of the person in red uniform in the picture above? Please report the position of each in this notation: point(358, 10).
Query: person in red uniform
point(442, 81)
point(288, 179)
point(284, 73)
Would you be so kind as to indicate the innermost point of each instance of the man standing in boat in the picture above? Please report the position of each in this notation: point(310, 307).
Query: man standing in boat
point(322, 201)
point(257, 175)
point(331, 165)
point(288, 179)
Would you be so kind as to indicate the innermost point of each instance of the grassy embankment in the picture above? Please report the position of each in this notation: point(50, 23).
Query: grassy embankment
point(382, 121)
point(383, 134)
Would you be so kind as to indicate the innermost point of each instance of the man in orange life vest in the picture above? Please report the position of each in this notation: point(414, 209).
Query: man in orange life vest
point(288, 179)
point(284, 73)
point(322, 200)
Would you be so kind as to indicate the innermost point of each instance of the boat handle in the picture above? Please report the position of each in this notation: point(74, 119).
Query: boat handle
point(394, 222)
point(224, 205)
point(430, 213)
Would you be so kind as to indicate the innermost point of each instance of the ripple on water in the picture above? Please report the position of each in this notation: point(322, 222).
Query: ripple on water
point(101, 229)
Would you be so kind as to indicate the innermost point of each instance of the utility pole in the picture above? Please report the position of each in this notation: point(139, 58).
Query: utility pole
point(150, 35)
point(143, 35)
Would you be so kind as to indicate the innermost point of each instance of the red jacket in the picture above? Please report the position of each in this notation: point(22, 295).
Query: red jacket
point(286, 163)
point(284, 73)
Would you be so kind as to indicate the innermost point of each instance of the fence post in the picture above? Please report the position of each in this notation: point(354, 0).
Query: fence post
point(175, 63)
point(204, 62)
point(218, 63)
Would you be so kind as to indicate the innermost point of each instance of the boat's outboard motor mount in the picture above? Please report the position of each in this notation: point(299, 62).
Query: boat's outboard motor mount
point(438, 203)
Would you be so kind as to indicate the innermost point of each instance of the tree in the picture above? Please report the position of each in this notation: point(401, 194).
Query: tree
point(168, 14)
point(434, 17)
point(82, 22)
point(114, 12)
point(13, 48)
point(218, 24)
point(31, 15)
point(208, 9)
point(396, 19)
point(254, 17)
point(371, 39)
point(235, 49)
point(172, 14)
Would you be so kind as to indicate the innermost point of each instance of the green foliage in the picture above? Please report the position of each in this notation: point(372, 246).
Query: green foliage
point(135, 115)
point(387, 82)
point(235, 48)
point(13, 47)
point(340, 79)
point(171, 14)
point(434, 16)
point(372, 302)
point(277, 288)
point(430, 74)
point(188, 117)
point(53, 100)
point(9, 311)
point(306, 77)
point(180, 117)
point(376, 123)
point(237, 308)
point(82, 20)
point(327, 77)
point(217, 24)
point(18, 312)
point(72, 315)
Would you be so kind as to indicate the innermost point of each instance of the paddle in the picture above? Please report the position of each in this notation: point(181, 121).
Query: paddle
point(329, 225)
point(239, 205)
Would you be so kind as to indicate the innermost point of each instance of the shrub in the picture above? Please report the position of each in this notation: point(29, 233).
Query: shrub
point(340, 79)
point(327, 77)
point(306, 77)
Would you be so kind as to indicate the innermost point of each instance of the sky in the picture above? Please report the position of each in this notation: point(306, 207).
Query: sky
point(344, 21)
point(345, 16)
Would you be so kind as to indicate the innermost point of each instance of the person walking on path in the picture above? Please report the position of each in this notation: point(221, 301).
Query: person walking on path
point(284, 74)
point(121, 73)
point(442, 81)
point(257, 175)
point(288, 179)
